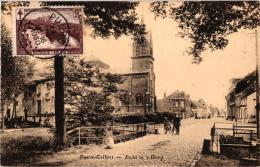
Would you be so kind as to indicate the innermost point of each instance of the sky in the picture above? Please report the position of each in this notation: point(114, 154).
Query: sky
point(174, 70)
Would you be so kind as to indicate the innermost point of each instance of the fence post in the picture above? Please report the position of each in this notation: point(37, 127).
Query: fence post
point(142, 130)
point(124, 132)
point(233, 130)
point(251, 137)
point(145, 128)
point(250, 140)
point(79, 136)
point(236, 129)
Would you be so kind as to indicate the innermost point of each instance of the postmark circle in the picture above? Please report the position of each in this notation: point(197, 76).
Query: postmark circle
point(43, 33)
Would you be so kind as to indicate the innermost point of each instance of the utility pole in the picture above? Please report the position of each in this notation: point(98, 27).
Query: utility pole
point(59, 101)
point(257, 85)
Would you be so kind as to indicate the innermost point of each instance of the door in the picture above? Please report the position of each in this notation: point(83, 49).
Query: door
point(39, 107)
point(8, 113)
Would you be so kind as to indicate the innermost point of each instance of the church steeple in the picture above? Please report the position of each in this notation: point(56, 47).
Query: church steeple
point(142, 59)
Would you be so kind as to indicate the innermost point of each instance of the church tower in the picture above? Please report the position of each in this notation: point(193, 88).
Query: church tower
point(142, 59)
point(143, 67)
point(139, 84)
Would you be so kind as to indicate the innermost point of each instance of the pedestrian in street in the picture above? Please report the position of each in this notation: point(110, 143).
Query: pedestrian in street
point(177, 124)
point(173, 124)
point(167, 125)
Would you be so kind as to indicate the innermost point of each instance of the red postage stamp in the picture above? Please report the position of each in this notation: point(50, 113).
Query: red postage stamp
point(49, 31)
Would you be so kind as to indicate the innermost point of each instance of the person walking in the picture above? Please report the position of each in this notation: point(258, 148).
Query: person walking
point(166, 125)
point(173, 124)
point(177, 124)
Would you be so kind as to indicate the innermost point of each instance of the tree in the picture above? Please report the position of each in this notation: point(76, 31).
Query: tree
point(106, 19)
point(207, 24)
point(14, 70)
point(109, 18)
point(87, 94)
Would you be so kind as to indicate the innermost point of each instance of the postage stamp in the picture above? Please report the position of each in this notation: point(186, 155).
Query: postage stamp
point(48, 31)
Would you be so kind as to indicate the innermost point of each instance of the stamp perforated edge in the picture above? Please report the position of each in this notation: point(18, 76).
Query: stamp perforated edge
point(14, 32)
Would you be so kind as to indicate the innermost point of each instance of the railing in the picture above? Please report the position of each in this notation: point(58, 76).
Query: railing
point(121, 133)
point(247, 132)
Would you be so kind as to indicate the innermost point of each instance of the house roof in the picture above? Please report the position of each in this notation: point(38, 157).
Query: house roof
point(196, 104)
point(178, 95)
point(38, 79)
point(246, 84)
point(98, 63)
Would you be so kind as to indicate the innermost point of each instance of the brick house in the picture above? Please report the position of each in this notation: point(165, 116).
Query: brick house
point(178, 102)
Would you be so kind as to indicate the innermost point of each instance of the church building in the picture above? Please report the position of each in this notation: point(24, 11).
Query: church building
point(137, 92)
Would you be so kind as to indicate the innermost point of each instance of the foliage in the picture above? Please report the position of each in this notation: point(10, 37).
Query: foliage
point(157, 117)
point(109, 18)
point(25, 149)
point(14, 70)
point(208, 24)
point(87, 93)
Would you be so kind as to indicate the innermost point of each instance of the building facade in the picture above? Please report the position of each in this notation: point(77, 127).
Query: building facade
point(137, 92)
point(36, 104)
point(178, 103)
point(241, 99)
point(200, 109)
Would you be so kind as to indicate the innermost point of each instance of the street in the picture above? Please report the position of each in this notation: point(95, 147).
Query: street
point(152, 150)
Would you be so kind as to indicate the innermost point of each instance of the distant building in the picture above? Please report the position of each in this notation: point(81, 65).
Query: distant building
point(241, 99)
point(39, 100)
point(178, 103)
point(28, 105)
point(200, 109)
point(36, 103)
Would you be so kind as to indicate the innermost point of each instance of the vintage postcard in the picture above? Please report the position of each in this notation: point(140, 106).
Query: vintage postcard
point(130, 83)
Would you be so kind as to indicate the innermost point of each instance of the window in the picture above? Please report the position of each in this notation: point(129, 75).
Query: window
point(175, 104)
point(138, 51)
point(120, 103)
point(182, 104)
point(38, 89)
point(139, 99)
point(147, 65)
point(124, 99)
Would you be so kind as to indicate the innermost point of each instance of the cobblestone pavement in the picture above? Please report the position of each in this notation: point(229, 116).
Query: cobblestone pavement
point(152, 150)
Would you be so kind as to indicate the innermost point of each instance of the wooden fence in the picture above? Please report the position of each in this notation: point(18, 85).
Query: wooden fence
point(246, 132)
point(120, 133)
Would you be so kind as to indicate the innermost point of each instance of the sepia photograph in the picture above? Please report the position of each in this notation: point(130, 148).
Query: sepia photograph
point(130, 83)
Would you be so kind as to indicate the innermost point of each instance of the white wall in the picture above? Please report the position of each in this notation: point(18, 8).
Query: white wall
point(251, 102)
